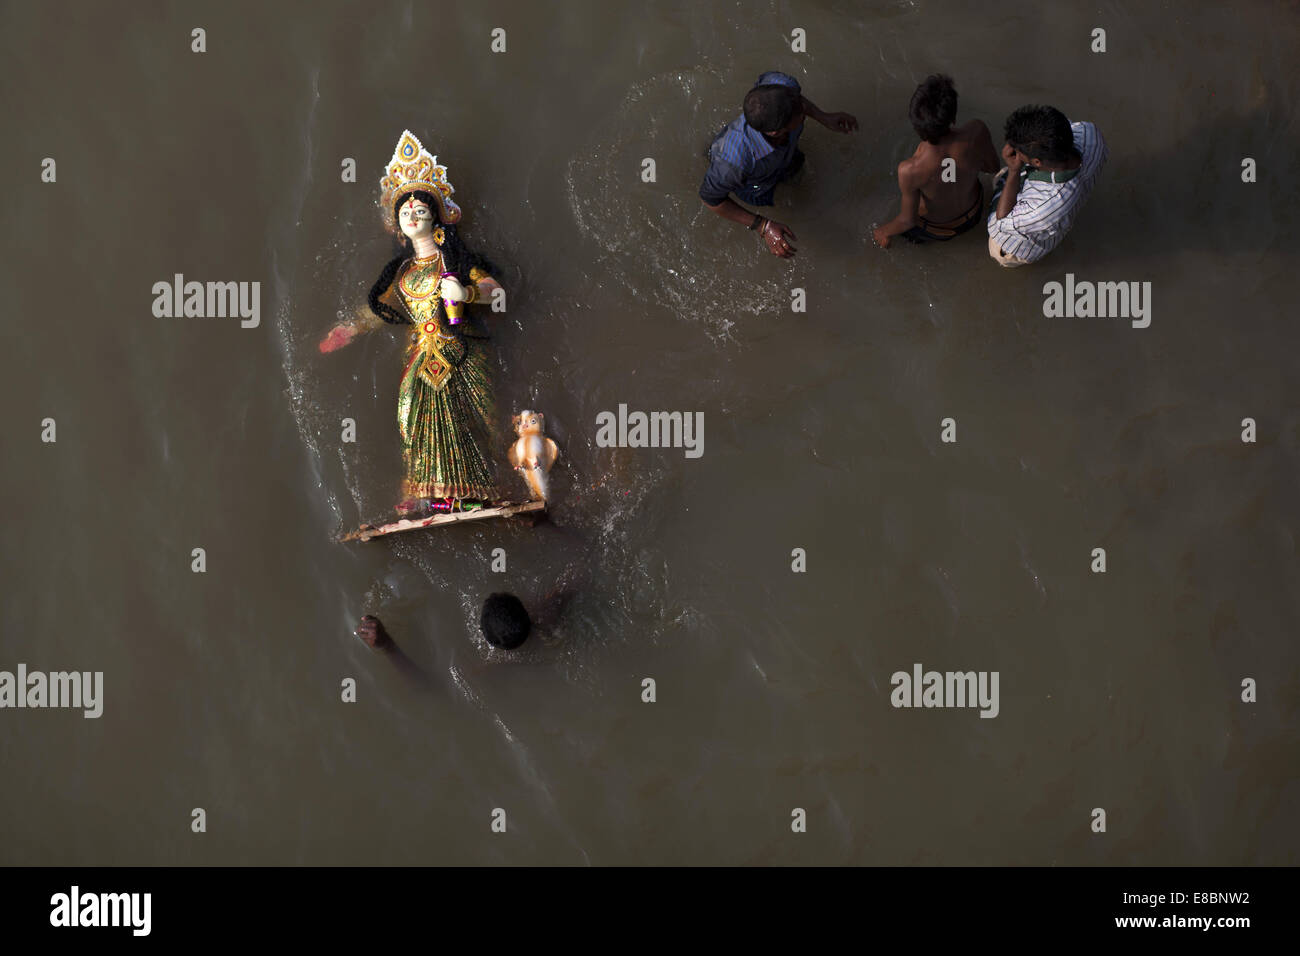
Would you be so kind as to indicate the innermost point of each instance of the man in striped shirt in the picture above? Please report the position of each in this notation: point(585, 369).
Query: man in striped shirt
point(1052, 165)
point(759, 149)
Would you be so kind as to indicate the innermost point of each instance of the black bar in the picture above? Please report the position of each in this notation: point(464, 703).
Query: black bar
point(977, 905)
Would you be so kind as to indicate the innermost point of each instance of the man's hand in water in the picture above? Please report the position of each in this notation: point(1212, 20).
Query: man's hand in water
point(880, 238)
point(371, 631)
point(840, 122)
point(778, 239)
point(339, 336)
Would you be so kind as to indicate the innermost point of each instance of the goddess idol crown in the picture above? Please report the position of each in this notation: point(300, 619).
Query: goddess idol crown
point(413, 169)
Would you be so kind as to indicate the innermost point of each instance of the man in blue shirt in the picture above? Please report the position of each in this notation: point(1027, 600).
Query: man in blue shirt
point(759, 149)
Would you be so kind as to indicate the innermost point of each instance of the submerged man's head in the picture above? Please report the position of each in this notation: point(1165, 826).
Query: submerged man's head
point(1042, 135)
point(505, 622)
point(774, 109)
point(934, 107)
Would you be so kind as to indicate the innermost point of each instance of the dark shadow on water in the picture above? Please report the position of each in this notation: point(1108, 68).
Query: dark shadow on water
point(373, 634)
point(409, 670)
point(1190, 197)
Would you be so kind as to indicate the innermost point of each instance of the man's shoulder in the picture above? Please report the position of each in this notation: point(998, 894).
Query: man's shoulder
point(1090, 144)
point(1031, 199)
point(731, 145)
point(919, 167)
point(1087, 135)
point(1034, 193)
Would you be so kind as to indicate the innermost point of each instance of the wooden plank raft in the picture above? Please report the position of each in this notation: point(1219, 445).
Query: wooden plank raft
point(503, 510)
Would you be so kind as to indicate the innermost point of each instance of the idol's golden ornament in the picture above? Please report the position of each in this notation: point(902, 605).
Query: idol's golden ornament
point(414, 169)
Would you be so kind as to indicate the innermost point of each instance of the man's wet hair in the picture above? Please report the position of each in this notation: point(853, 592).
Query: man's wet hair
point(934, 107)
point(769, 107)
point(1041, 132)
point(505, 622)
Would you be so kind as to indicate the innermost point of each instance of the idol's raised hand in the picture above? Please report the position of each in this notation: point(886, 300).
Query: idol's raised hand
point(451, 289)
point(339, 336)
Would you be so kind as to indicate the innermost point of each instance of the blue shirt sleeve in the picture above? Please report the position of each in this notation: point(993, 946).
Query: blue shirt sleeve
point(721, 180)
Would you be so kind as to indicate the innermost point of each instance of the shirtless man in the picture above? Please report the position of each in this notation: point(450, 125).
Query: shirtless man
point(936, 206)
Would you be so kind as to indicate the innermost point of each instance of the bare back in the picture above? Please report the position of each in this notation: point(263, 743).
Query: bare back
point(971, 148)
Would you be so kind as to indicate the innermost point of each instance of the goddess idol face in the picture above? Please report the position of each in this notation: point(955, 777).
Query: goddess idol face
point(415, 218)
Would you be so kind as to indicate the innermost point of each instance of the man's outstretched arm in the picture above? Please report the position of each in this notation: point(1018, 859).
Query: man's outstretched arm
point(908, 207)
point(720, 182)
point(775, 235)
point(840, 122)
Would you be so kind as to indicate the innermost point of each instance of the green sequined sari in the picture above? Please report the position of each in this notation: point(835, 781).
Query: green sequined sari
point(445, 408)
